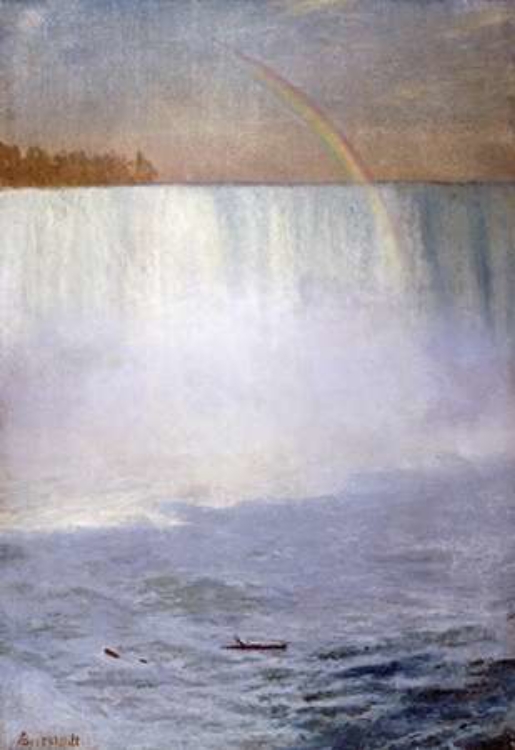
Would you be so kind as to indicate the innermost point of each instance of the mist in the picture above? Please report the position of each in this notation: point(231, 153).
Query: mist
point(224, 344)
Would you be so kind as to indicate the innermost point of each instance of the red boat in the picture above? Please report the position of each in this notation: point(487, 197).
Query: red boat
point(240, 645)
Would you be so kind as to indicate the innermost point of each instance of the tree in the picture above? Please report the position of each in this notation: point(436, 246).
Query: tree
point(10, 163)
point(144, 170)
point(38, 168)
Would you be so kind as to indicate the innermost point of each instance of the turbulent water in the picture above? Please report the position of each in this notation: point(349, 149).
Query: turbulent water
point(340, 358)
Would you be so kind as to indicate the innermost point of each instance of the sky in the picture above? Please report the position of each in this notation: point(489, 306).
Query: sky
point(422, 89)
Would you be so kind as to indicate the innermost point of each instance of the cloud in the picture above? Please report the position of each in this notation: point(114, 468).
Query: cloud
point(476, 21)
point(302, 7)
point(31, 19)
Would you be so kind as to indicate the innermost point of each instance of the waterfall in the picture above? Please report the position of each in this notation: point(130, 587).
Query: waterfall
point(258, 331)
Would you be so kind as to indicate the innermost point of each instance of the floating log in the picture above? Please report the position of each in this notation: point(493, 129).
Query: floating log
point(110, 652)
point(240, 645)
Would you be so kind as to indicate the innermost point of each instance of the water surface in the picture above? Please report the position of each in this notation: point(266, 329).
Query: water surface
point(396, 597)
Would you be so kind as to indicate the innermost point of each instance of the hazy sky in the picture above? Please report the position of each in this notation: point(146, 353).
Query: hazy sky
point(424, 89)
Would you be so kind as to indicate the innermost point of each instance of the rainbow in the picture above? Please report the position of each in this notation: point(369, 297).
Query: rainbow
point(338, 146)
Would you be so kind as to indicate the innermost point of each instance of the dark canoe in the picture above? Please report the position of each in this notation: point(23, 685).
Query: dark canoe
point(254, 646)
point(112, 653)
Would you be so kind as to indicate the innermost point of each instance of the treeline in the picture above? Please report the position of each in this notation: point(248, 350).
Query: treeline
point(35, 167)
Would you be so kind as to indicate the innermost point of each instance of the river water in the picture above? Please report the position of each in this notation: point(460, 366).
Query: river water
point(397, 598)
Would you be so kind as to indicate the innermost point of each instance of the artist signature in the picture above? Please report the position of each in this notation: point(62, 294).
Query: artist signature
point(48, 740)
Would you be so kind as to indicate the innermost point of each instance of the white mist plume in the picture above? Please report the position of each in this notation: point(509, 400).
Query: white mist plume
point(239, 342)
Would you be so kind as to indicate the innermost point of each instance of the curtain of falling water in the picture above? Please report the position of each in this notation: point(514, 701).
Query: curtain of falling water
point(250, 336)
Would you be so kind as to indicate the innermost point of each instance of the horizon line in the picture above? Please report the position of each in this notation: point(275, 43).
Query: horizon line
point(269, 183)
